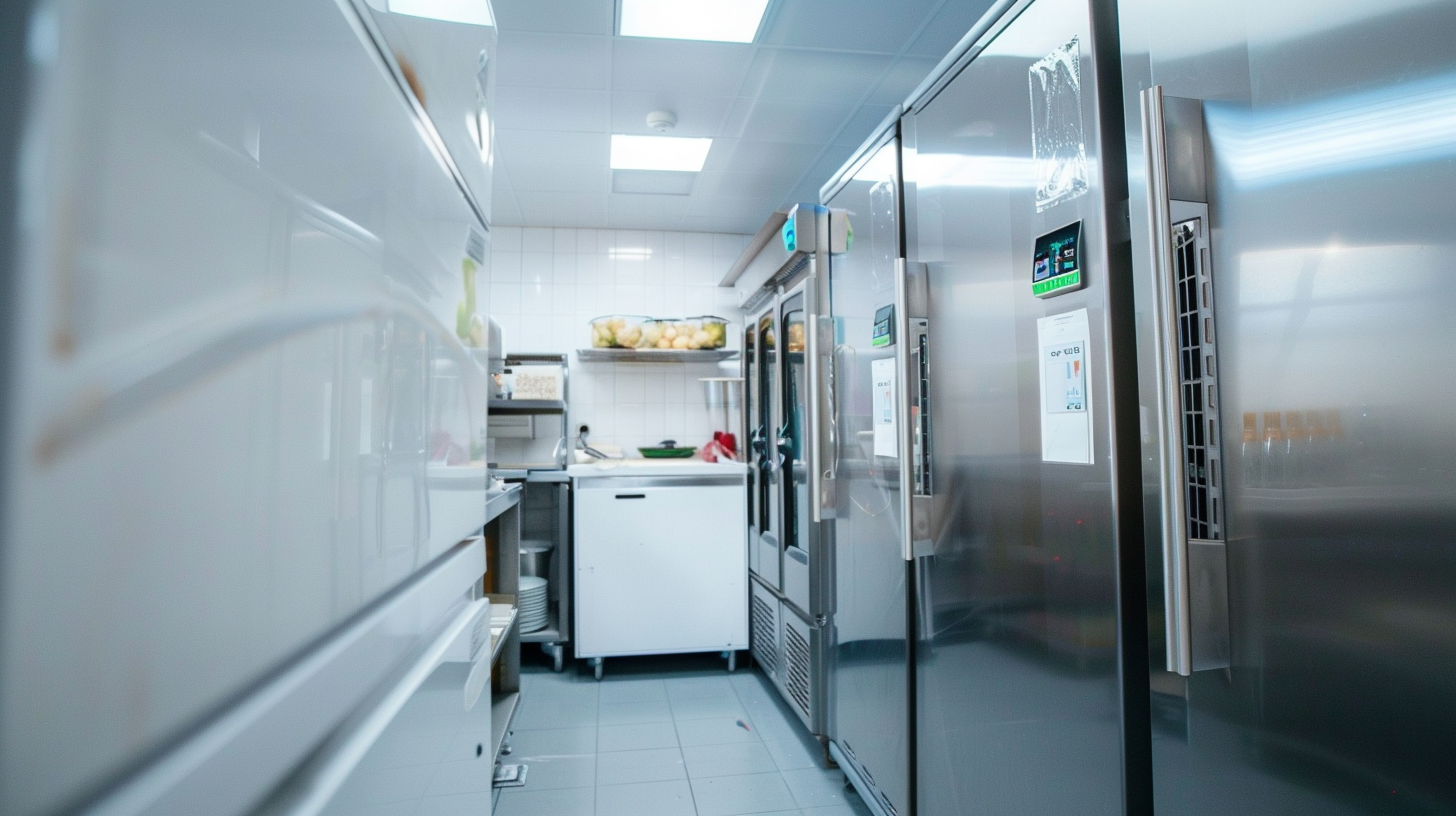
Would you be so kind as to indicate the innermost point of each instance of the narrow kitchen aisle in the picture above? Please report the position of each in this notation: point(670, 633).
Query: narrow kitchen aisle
point(665, 736)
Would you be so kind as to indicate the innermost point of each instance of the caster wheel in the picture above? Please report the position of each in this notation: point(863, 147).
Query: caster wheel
point(556, 659)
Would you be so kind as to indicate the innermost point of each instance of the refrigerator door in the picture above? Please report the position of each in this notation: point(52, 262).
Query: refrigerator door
point(1017, 667)
point(768, 498)
point(1329, 225)
point(869, 683)
point(799, 526)
point(751, 433)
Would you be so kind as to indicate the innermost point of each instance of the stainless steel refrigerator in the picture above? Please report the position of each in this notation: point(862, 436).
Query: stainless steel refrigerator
point(1291, 173)
point(869, 677)
point(1019, 415)
point(790, 561)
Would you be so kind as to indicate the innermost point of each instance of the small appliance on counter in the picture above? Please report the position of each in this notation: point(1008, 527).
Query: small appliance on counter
point(723, 396)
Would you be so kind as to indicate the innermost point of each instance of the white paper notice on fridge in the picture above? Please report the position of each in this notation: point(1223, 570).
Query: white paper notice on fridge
point(1066, 407)
point(887, 438)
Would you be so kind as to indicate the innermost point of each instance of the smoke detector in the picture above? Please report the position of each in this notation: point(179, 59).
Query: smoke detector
point(662, 121)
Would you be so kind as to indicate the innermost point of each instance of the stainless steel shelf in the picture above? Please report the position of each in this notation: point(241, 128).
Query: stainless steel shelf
point(609, 355)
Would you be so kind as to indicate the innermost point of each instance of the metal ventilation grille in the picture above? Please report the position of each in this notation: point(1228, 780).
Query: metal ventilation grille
point(796, 663)
point(1198, 374)
point(762, 644)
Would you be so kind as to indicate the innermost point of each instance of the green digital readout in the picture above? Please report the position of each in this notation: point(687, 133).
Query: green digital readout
point(1057, 262)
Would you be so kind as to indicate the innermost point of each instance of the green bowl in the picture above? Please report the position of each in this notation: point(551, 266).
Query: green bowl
point(666, 453)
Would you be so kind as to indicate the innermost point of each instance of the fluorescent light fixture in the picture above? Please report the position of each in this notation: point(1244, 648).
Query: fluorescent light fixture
point(629, 253)
point(721, 20)
point(659, 153)
point(473, 12)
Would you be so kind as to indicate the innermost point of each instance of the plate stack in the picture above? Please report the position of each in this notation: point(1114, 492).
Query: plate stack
point(532, 603)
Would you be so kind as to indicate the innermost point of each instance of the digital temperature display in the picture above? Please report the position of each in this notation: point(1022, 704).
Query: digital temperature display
point(1057, 262)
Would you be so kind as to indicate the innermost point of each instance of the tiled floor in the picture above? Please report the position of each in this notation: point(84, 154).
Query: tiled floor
point(665, 737)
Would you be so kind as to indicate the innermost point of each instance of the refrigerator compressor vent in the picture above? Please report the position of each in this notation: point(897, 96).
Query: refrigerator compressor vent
point(763, 640)
point(796, 662)
point(1198, 375)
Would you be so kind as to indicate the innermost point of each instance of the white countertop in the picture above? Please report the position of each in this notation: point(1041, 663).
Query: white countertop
point(656, 467)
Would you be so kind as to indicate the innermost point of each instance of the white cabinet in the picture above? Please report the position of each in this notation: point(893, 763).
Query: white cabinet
point(661, 564)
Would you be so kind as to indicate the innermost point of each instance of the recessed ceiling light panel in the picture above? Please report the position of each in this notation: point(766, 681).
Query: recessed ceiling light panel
point(659, 153)
point(722, 20)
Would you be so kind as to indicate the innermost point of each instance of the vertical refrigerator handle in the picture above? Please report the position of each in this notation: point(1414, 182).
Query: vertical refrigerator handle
point(1175, 540)
point(821, 411)
point(912, 368)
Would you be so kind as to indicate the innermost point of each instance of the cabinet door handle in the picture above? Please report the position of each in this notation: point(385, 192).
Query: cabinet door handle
point(631, 495)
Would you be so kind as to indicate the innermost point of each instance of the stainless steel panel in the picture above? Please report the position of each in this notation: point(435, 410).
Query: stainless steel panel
point(869, 679)
point(1330, 169)
point(1019, 700)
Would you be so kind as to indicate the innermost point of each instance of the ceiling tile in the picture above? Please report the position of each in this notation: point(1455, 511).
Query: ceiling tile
point(696, 115)
point(799, 122)
point(947, 27)
point(849, 25)
point(561, 109)
point(574, 16)
point(900, 80)
point(666, 182)
point(640, 211)
point(554, 209)
point(685, 66)
point(862, 124)
point(762, 159)
point(541, 146)
point(823, 77)
point(555, 177)
point(536, 60)
point(743, 185)
point(503, 209)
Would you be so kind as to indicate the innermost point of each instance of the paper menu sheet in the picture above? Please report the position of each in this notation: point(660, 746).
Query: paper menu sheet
point(887, 439)
point(1066, 408)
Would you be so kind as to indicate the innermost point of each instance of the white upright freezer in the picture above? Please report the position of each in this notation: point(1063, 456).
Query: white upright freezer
point(661, 559)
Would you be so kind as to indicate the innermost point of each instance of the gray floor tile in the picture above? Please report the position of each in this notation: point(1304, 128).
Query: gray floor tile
point(855, 808)
point(554, 742)
point(469, 776)
point(642, 798)
point(697, 687)
point(791, 754)
point(729, 759)
point(563, 802)
point(456, 805)
point(815, 787)
point(634, 712)
point(544, 713)
point(715, 731)
point(735, 795)
point(702, 708)
point(651, 765)
point(633, 691)
point(636, 737)
point(774, 727)
point(550, 772)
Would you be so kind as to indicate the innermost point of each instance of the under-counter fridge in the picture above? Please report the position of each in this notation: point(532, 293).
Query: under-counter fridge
point(1290, 172)
point(1019, 424)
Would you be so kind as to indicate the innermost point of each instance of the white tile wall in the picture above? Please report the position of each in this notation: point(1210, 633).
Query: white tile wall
point(546, 284)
